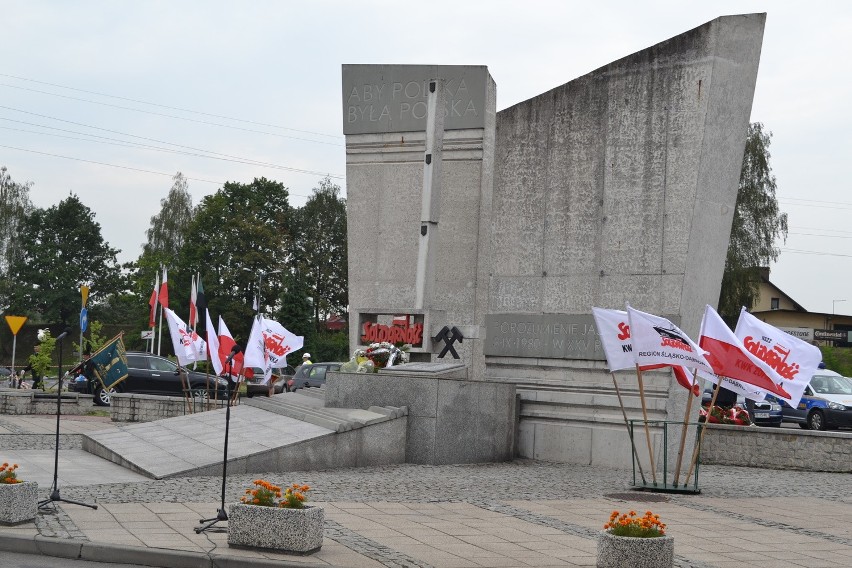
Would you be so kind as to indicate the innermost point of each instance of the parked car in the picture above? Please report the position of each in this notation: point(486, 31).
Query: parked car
point(764, 413)
point(312, 375)
point(152, 374)
point(826, 403)
point(277, 383)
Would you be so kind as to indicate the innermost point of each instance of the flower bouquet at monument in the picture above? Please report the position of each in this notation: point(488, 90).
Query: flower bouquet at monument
point(376, 356)
point(386, 354)
point(717, 415)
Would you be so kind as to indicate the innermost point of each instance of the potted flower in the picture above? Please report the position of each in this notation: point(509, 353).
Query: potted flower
point(18, 499)
point(266, 517)
point(628, 540)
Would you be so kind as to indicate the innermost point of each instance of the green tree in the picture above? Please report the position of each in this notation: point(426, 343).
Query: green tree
point(167, 232)
point(15, 205)
point(166, 237)
point(238, 233)
point(296, 312)
point(95, 341)
point(60, 248)
point(757, 223)
point(321, 251)
point(42, 359)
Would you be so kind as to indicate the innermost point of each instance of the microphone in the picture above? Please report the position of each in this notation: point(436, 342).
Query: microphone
point(63, 334)
point(234, 350)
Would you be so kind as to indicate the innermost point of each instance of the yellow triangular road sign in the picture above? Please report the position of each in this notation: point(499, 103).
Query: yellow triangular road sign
point(15, 323)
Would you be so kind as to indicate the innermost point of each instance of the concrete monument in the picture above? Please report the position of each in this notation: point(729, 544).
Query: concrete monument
point(503, 229)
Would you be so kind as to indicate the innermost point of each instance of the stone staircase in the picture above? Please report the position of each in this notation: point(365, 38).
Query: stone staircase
point(285, 432)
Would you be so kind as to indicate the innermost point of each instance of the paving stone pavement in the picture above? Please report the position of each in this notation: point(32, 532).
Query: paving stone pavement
point(517, 514)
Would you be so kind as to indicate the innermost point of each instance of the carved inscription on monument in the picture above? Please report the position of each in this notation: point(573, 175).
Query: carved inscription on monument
point(392, 98)
point(550, 336)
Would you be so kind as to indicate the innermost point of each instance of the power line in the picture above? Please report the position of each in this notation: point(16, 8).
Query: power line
point(152, 104)
point(105, 164)
point(816, 253)
point(829, 204)
point(120, 134)
point(129, 144)
point(826, 229)
point(822, 236)
point(816, 201)
point(126, 167)
point(210, 123)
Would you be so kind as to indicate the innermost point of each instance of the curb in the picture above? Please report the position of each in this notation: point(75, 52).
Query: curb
point(142, 556)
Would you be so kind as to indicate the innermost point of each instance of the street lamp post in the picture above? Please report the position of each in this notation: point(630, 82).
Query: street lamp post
point(260, 275)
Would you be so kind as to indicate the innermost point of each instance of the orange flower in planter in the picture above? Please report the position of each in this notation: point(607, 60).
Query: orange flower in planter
point(266, 494)
point(8, 474)
point(628, 524)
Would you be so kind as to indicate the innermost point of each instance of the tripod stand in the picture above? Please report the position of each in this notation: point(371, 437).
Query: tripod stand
point(221, 514)
point(54, 494)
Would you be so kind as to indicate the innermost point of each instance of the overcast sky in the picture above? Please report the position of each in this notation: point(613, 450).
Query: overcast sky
point(109, 99)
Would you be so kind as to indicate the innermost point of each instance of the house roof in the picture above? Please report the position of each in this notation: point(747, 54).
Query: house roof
point(764, 276)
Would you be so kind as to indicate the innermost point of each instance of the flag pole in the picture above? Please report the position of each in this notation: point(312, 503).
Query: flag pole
point(160, 333)
point(645, 417)
point(694, 459)
point(685, 425)
point(626, 424)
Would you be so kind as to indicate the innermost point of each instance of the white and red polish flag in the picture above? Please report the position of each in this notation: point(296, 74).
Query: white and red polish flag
point(614, 332)
point(730, 358)
point(226, 345)
point(795, 361)
point(657, 341)
point(164, 289)
point(193, 308)
point(152, 318)
point(213, 345)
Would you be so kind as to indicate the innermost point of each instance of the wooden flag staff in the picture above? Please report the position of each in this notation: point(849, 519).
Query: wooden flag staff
point(685, 424)
point(645, 417)
point(627, 424)
point(701, 437)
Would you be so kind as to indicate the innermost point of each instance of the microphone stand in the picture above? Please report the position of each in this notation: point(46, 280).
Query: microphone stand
point(54, 494)
point(221, 514)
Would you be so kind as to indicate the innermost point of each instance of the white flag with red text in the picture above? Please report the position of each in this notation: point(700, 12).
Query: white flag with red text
point(657, 341)
point(614, 333)
point(188, 345)
point(269, 344)
point(795, 361)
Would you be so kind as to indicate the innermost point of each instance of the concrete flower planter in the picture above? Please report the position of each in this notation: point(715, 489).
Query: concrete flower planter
point(619, 551)
point(18, 502)
point(287, 530)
